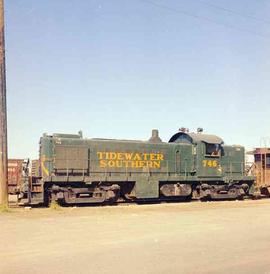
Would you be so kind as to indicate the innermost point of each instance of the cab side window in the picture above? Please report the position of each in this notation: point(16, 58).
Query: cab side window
point(212, 150)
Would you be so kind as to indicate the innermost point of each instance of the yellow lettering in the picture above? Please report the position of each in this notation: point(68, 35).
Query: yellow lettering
point(112, 155)
point(142, 163)
point(137, 157)
point(120, 156)
point(113, 159)
point(102, 163)
point(152, 156)
point(100, 155)
point(128, 156)
point(111, 163)
point(160, 157)
point(145, 156)
point(126, 163)
point(156, 164)
point(210, 163)
point(119, 163)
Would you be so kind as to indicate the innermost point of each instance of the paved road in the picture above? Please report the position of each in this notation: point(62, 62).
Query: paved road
point(215, 237)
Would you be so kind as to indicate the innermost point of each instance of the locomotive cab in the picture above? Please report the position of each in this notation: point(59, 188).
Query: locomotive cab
point(207, 151)
point(218, 169)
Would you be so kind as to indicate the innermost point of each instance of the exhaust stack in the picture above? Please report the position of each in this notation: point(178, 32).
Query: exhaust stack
point(155, 138)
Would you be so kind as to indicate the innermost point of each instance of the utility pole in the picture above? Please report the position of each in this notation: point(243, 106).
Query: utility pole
point(3, 114)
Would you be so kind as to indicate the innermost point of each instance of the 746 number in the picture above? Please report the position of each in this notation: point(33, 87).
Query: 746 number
point(210, 163)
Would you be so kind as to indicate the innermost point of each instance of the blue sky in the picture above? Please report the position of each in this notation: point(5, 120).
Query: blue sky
point(117, 69)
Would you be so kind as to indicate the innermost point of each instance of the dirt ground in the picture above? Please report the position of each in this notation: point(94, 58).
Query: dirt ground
point(210, 237)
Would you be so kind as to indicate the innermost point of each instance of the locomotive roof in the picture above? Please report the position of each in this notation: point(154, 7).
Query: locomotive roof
point(179, 137)
point(196, 138)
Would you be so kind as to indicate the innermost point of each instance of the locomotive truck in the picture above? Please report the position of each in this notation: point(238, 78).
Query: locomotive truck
point(76, 170)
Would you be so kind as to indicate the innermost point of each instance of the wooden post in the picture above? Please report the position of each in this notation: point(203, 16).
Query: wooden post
point(3, 114)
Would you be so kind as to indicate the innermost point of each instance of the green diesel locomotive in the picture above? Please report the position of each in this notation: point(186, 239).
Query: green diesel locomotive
point(75, 170)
